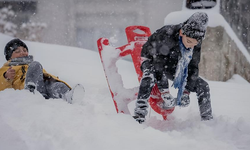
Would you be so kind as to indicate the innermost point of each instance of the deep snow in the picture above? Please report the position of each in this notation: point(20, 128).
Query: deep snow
point(29, 122)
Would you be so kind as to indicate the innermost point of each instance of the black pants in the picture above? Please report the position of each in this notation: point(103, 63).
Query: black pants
point(151, 76)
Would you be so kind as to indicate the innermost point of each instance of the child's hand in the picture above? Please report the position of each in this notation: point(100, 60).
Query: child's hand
point(10, 74)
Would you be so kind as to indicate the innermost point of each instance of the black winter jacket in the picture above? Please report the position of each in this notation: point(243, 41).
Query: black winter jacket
point(162, 52)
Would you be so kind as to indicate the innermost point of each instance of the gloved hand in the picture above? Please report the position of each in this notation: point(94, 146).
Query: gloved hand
point(141, 110)
point(185, 100)
point(169, 100)
point(139, 119)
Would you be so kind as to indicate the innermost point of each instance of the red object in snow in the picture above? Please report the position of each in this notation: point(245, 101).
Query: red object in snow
point(136, 36)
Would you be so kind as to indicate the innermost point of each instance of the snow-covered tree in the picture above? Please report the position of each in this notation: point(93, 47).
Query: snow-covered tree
point(32, 31)
point(29, 31)
point(6, 25)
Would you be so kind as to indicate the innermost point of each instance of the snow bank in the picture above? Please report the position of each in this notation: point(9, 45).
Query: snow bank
point(238, 79)
point(29, 122)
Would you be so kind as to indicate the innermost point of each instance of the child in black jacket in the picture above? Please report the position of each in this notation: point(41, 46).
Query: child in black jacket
point(173, 52)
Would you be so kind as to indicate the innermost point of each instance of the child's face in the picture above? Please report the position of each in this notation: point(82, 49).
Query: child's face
point(188, 42)
point(20, 52)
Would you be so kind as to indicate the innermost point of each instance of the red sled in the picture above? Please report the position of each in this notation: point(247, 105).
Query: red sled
point(136, 36)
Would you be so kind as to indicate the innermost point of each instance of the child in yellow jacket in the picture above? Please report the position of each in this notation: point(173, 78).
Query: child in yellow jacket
point(21, 72)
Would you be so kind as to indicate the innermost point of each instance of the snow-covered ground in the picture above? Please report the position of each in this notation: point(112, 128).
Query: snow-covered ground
point(29, 122)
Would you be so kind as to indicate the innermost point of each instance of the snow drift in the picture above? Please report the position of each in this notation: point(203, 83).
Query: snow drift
point(29, 122)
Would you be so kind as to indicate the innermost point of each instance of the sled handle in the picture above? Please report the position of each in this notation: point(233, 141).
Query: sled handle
point(137, 33)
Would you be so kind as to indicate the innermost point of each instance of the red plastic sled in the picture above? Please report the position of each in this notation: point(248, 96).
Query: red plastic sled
point(136, 36)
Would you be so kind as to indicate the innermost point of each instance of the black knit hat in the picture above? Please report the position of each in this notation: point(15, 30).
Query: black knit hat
point(11, 46)
point(195, 27)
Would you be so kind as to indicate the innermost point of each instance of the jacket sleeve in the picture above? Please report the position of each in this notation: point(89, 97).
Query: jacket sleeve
point(149, 48)
point(4, 83)
point(193, 68)
point(146, 57)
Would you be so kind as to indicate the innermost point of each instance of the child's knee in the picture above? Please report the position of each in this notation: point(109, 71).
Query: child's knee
point(35, 64)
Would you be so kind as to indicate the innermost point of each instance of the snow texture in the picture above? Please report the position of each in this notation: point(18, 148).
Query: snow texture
point(29, 122)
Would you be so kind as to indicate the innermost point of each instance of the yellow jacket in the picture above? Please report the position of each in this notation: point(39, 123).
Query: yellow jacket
point(18, 82)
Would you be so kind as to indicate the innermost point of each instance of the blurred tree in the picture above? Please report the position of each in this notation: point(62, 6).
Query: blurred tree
point(28, 31)
point(32, 31)
point(6, 25)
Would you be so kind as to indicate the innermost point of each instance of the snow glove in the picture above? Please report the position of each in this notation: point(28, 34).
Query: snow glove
point(139, 119)
point(185, 100)
point(147, 83)
point(169, 101)
point(141, 110)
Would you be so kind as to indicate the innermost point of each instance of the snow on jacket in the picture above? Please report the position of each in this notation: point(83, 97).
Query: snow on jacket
point(162, 51)
point(18, 82)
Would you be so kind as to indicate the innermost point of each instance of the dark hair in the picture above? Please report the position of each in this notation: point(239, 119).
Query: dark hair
point(11, 46)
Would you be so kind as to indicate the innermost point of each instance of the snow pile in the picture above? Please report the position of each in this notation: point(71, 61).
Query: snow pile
point(238, 79)
point(29, 122)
